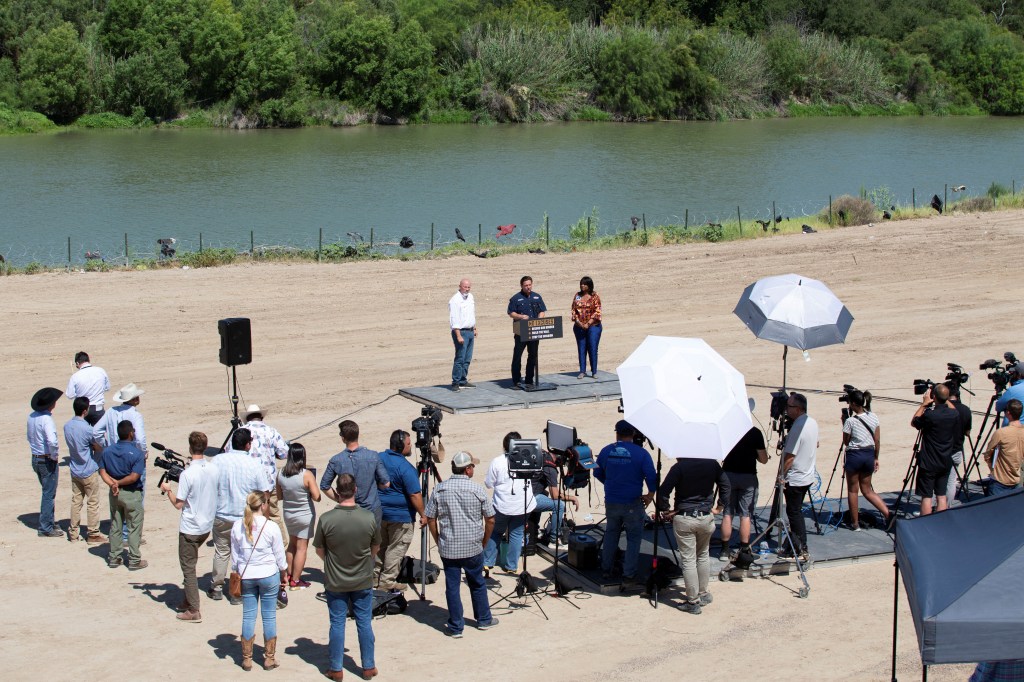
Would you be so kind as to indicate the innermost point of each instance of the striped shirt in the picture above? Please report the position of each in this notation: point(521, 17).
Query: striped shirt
point(861, 428)
point(460, 506)
point(238, 474)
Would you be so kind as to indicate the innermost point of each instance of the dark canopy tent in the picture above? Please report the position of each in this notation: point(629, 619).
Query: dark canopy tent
point(963, 571)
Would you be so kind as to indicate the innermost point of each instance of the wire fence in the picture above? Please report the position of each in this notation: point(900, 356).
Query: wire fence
point(336, 242)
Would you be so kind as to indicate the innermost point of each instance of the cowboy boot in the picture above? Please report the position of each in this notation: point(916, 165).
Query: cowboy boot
point(247, 652)
point(269, 650)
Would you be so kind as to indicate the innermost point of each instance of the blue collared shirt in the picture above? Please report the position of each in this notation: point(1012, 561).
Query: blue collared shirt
point(1015, 391)
point(238, 474)
point(121, 459)
point(78, 435)
point(533, 305)
point(42, 434)
point(365, 466)
point(405, 481)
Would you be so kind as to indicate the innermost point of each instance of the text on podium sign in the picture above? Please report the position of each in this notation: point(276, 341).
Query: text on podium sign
point(540, 328)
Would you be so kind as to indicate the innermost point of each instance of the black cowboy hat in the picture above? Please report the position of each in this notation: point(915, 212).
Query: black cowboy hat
point(45, 397)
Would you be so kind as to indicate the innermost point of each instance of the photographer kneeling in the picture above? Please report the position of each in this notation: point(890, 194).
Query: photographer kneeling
point(197, 488)
point(862, 439)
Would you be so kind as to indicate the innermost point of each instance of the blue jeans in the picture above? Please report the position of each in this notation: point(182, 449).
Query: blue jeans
point(556, 507)
point(514, 525)
point(47, 473)
point(463, 356)
point(474, 569)
point(264, 591)
point(995, 488)
point(628, 517)
point(362, 607)
point(587, 341)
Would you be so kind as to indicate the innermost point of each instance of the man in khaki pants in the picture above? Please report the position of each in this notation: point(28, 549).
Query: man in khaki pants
point(85, 477)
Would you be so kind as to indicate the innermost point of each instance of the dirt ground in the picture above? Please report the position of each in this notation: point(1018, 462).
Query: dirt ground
point(336, 340)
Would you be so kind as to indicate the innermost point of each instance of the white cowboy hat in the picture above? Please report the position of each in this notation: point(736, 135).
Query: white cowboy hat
point(253, 409)
point(129, 392)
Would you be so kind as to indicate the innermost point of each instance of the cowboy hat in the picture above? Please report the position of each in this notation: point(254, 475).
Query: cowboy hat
point(129, 392)
point(254, 409)
point(45, 397)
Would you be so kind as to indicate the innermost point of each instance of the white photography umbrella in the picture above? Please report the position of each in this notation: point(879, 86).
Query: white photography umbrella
point(685, 397)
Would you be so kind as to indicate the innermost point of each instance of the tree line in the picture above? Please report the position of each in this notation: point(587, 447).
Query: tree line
point(259, 63)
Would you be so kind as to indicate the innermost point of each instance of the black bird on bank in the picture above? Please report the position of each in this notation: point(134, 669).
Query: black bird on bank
point(167, 249)
point(537, 251)
point(937, 203)
point(635, 221)
point(458, 233)
point(842, 215)
point(406, 242)
point(886, 215)
point(807, 229)
point(778, 219)
point(764, 224)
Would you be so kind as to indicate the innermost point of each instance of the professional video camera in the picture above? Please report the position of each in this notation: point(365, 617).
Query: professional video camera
point(427, 427)
point(848, 390)
point(957, 374)
point(922, 386)
point(1000, 375)
point(778, 407)
point(173, 462)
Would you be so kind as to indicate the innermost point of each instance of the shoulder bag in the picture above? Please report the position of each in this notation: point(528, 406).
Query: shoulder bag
point(235, 580)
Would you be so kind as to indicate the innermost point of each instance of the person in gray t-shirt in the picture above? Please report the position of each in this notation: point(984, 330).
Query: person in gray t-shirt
point(798, 471)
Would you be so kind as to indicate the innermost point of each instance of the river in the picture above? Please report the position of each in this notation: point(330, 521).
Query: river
point(284, 186)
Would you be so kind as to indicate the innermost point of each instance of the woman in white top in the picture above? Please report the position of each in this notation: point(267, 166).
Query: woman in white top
point(863, 441)
point(257, 554)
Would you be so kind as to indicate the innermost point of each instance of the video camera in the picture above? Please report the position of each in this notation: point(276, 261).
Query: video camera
point(427, 427)
point(172, 462)
point(848, 390)
point(778, 407)
point(1000, 375)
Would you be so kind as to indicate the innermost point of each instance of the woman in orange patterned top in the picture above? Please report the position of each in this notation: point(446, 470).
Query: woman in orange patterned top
point(586, 318)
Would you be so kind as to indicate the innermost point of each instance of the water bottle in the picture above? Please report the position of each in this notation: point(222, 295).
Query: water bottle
point(762, 549)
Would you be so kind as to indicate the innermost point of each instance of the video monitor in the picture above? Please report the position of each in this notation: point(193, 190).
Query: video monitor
point(560, 437)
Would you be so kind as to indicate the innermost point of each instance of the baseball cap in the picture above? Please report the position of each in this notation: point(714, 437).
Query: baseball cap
point(624, 428)
point(463, 459)
point(1017, 369)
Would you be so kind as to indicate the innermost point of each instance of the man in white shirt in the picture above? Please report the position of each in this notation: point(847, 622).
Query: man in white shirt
point(197, 488)
point(798, 471)
point(90, 382)
point(462, 319)
point(41, 432)
point(513, 501)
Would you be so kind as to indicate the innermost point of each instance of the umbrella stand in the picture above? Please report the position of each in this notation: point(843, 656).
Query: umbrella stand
point(781, 521)
point(785, 352)
point(659, 525)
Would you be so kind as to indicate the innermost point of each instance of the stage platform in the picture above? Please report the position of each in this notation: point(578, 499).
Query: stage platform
point(493, 396)
point(833, 546)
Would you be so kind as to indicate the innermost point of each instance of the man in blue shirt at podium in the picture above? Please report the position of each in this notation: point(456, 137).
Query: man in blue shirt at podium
point(525, 305)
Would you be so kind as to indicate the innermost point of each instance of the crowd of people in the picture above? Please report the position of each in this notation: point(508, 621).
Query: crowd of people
point(261, 517)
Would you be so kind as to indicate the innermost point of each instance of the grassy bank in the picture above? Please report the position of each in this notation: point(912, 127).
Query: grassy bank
point(845, 211)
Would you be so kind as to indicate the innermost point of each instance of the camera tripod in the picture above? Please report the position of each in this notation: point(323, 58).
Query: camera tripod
point(842, 479)
point(427, 470)
point(526, 585)
point(984, 435)
point(778, 518)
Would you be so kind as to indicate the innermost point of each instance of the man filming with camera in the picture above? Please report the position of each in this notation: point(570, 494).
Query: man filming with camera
point(941, 430)
point(197, 487)
point(400, 503)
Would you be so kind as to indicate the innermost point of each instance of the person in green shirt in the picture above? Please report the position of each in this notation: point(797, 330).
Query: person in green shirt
point(347, 538)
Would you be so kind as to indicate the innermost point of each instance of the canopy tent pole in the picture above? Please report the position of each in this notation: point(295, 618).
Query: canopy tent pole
point(895, 613)
point(785, 352)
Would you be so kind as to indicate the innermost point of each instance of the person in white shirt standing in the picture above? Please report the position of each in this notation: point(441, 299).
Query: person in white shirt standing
point(513, 501)
point(462, 318)
point(800, 455)
point(42, 441)
point(89, 381)
point(197, 488)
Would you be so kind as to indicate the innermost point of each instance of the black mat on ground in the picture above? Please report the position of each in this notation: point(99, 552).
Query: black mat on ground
point(492, 396)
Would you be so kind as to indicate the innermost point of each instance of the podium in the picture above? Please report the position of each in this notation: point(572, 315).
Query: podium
point(538, 329)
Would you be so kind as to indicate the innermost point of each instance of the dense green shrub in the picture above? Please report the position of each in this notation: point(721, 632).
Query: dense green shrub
point(55, 75)
point(634, 76)
point(847, 210)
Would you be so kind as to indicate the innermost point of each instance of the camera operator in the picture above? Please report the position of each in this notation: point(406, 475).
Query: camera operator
point(941, 430)
point(400, 503)
point(740, 466)
point(800, 454)
point(958, 447)
point(693, 481)
point(549, 496)
point(510, 510)
point(1009, 441)
point(862, 438)
point(623, 467)
point(197, 502)
point(1015, 391)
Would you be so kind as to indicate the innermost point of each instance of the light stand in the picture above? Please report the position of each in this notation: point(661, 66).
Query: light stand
point(236, 422)
point(560, 589)
point(525, 584)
